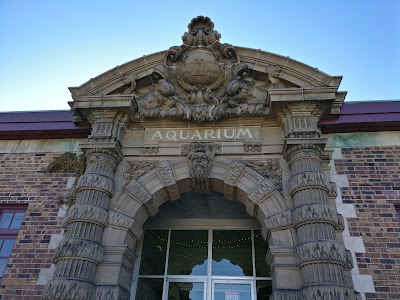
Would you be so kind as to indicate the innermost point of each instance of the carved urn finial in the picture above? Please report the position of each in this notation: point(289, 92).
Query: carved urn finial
point(201, 32)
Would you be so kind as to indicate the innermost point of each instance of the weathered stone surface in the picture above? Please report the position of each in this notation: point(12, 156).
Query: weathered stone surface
point(281, 294)
point(327, 292)
point(200, 160)
point(74, 247)
point(314, 213)
point(111, 292)
point(315, 251)
point(97, 182)
point(279, 220)
point(262, 190)
point(168, 178)
point(68, 289)
point(83, 212)
point(307, 179)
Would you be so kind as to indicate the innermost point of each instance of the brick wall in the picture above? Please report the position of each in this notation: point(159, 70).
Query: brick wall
point(24, 181)
point(373, 175)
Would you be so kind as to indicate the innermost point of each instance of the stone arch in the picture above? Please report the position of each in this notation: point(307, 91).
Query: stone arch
point(142, 197)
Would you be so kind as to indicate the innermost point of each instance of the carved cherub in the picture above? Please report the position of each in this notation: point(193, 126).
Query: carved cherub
point(163, 96)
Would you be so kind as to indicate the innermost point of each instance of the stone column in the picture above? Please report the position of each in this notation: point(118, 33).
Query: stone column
point(319, 254)
point(81, 250)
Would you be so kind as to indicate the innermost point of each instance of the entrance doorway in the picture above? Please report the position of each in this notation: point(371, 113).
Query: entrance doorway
point(203, 259)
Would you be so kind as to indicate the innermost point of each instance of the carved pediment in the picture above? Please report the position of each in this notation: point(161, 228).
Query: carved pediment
point(202, 80)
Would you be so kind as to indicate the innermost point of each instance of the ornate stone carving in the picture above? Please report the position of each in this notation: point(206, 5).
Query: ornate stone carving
point(136, 169)
point(61, 288)
point(252, 147)
point(167, 176)
point(96, 181)
point(322, 250)
point(232, 177)
point(108, 292)
point(202, 80)
point(332, 189)
point(79, 248)
point(136, 191)
point(349, 260)
point(262, 190)
point(200, 160)
point(201, 32)
point(326, 292)
point(118, 219)
point(314, 213)
point(269, 168)
point(285, 294)
point(83, 212)
point(307, 179)
point(150, 150)
point(279, 220)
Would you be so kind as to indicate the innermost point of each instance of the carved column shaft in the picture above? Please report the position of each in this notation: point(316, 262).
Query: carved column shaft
point(320, 256)
point(81, 250)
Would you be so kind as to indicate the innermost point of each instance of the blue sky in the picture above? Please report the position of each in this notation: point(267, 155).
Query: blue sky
point(47, 46)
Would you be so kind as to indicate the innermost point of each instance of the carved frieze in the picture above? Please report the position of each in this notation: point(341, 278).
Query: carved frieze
point(321, 250)
point(85, 212)
point(107, 292)
point(327, 292)
point(316, 212)
point(200, 161)
point(307, 179)
point(96, 182)
point(285, 294)
point(79, 248)
point(63, 288)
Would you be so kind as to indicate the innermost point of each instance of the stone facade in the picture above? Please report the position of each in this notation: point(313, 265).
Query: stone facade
point(207, 117)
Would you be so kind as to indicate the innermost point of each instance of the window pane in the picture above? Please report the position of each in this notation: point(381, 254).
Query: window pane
point(5, 250)
point(153, 253)
point(261, 247)
point(149, 289)
point(229, 291)
point(264, 290)
point(6, 220)
point(17, 220)
point(186, 290)
point(188, 252)
point(232, 253)
point(3, 263)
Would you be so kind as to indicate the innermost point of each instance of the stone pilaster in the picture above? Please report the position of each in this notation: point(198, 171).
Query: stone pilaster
point(321, 257)
point(80, 252)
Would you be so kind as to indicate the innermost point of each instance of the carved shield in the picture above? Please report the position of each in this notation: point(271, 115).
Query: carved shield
point(200, 68)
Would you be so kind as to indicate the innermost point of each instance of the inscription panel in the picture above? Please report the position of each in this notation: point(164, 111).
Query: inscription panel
point(153, 136)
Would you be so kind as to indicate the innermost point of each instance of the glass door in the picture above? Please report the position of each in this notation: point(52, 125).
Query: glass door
point(232, 290)
point(185, 289)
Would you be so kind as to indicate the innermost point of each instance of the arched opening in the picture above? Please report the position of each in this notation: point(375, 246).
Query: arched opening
point(202, 247)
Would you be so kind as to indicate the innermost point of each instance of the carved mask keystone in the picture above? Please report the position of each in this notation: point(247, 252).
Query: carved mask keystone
point(200, 161)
